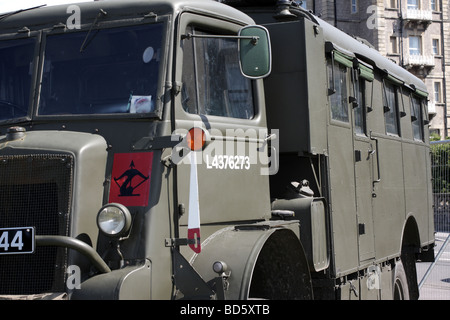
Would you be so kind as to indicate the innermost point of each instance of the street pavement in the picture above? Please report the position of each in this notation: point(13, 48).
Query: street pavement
point(436, 286)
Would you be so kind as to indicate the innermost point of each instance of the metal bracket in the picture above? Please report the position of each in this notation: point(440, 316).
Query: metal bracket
point(353, 289)
point(188, 281)
point(175, 242)
point(156, 143)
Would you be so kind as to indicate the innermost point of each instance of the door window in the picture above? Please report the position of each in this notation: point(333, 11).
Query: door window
point(337, 75)
point(212, 81)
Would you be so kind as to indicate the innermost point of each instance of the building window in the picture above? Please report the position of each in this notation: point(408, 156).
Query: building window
point(393, 4)
point(437, 92)
point(434, 5)
point(435, 132)
point(301, 3)
point(394, 45)
point(413, 4)
point(354, 8)
point(415, 45)
point(435, 44)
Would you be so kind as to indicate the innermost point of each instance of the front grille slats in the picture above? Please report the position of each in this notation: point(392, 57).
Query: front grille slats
point(35, 190)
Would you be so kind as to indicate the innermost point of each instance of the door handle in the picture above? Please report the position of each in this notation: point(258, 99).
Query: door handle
point(371, 153)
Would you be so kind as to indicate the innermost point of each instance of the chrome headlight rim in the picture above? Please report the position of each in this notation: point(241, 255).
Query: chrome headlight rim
point(114, 220)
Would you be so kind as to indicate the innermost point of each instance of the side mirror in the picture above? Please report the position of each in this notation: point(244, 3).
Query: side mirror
point(255, 54)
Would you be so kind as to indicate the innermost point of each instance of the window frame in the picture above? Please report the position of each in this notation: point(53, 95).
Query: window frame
point(437, 85)
point(200, 108)
point(393, 41)
point(354, 6)
point(435, 48)
point(359, 110)
point(417, 120)
point(217, 23)
point(338, 113)
point(363, 80)
point(158, 110)
point(391, 112)
point(419, 45)
point(434, 5)
point(413, 6)
point(36, 37)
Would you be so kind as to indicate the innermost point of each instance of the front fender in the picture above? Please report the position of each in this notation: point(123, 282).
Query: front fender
point(129, 283)
point(240, 248)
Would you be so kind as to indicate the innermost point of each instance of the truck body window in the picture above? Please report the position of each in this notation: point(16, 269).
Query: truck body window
point(16, 69)
point(391, 109)
point(337, 77)
point(359, 110)
point(416, 118)
point(212, 81)
point(115, 71)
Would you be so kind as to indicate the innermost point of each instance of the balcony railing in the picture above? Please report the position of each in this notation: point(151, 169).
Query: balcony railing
point(419, 15)
point(419, 60)
point(431, 108)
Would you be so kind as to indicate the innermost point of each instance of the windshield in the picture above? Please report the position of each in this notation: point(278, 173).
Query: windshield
point(102, 71)
point(16, 68)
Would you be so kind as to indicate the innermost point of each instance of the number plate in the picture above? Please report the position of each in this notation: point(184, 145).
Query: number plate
point(16, 240)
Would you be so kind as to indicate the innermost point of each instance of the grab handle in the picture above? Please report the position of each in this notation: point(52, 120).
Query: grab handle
point(371, 152)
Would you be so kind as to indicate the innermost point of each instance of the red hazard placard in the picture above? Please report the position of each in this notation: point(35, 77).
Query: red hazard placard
point(130, 178)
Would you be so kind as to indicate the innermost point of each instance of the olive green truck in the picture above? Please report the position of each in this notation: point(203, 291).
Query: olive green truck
point(174, 149)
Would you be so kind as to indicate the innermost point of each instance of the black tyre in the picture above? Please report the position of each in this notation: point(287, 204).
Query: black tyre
point(400, 285)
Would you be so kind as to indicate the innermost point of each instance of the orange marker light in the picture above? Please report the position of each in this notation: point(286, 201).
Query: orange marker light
point(196, 139)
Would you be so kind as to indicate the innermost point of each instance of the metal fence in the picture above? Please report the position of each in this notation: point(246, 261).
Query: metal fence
point(437, 276)
point(440, 168)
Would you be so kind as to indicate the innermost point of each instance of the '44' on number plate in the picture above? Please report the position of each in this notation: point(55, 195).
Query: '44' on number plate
point(16, 240)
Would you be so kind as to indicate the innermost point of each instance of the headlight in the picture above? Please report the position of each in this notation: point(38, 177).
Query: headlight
point(114, 220)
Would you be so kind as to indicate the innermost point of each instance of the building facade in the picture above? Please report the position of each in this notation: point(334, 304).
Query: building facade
point(413, 33)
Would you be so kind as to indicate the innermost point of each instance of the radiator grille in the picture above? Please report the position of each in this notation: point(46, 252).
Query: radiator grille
point(35, 191)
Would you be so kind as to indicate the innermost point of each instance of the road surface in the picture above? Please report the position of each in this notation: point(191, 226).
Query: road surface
point(437, 284)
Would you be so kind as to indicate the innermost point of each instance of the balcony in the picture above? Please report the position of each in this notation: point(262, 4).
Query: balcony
point(431, 109)
point(418, 16)
point(419, 61)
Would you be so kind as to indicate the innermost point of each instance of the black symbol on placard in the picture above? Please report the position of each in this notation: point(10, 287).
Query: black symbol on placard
point(126, 189)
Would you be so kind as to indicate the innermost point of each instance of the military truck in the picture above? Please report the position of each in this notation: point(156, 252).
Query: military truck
point(174, 149)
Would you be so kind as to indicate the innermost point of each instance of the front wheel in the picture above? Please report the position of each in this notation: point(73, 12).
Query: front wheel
point(401, 291)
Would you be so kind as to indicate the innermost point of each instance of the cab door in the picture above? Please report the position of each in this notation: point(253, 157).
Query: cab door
point(230, 178)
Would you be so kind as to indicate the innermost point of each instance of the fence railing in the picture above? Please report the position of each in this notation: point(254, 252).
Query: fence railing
point(440, 168)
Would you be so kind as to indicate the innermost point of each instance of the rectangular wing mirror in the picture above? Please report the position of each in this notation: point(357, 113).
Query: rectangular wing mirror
point(254, 52)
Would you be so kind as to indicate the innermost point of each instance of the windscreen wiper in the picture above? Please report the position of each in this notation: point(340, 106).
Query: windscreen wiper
point(9, 14)
point(85, 42)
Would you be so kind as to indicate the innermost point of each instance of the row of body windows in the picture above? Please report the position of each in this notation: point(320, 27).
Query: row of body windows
point(393, 102)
